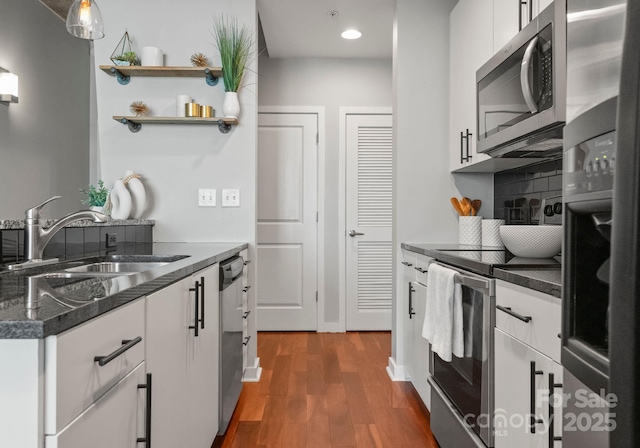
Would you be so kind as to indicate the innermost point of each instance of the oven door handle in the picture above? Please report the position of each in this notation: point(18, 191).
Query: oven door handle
point(524, 76)
point(476, 283)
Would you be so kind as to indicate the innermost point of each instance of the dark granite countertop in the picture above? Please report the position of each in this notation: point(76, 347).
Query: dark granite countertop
point(65, 303)
point(542, 275)
point(17, 224)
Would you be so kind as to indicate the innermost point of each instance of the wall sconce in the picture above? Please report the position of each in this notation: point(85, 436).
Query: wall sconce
point(8, 87)
point(84, 20)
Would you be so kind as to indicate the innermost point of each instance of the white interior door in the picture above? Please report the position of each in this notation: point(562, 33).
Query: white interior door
point(368, 218)
point(287, 221)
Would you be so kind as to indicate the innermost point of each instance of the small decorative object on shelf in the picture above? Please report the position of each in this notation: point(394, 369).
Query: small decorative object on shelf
point(138, 193)
point(199, 60)
point(96, 196)
point(235, 45)
point(139, 108)
point(124, 55)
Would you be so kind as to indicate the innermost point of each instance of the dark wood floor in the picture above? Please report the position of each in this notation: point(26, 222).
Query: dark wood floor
point(327, 390)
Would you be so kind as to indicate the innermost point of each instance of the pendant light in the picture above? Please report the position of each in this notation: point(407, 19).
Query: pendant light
point(84, 20)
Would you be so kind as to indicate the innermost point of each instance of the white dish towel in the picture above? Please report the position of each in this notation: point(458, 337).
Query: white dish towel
point(443, 325)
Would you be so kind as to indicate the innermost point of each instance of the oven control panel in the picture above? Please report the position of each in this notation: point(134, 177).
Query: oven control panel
point(590, 166)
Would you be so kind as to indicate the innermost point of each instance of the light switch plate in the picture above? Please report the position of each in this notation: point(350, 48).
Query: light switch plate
point(206, 197)
point(231, 198)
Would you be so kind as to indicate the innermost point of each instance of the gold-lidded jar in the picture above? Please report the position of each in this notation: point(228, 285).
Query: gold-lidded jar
point(192, 110)
point(206, 111)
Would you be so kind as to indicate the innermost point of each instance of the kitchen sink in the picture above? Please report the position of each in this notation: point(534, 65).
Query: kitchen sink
point(116, 267)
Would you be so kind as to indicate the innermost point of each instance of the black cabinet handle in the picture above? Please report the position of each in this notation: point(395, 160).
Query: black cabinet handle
point(147, 418)
point(506, 309)
point(467, 138)
point(201, 302)
point(246, 262)
point(126, 345)
point(246, 314)
point(246, 288)
point(406, 264)
point(552, 387)
point(534, 420)
point(419, 269)
point(461, 147)
point(195, 326)
point(530, 10)
point(246, 340)
point(411, 291)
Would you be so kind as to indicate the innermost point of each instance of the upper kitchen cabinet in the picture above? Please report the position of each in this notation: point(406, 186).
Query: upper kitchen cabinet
point(471, 45)
point(510, 16)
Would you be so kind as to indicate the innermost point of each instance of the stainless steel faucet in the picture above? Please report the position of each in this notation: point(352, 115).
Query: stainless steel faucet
point(36, 237)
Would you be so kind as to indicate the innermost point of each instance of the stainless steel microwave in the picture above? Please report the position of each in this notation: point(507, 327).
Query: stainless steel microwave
point(521, 91)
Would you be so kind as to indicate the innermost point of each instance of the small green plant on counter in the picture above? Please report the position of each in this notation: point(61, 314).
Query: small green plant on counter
point(128, 56)
point(96, 196)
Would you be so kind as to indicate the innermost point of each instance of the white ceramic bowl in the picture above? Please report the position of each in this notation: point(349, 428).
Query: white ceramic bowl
point(532, 241)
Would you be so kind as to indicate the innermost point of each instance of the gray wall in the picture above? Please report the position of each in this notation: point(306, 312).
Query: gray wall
point(330, 83)
point(44, 139)
point(423, 183)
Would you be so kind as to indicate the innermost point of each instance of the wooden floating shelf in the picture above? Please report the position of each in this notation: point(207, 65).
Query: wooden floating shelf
point(135, 123)
point(123, 73)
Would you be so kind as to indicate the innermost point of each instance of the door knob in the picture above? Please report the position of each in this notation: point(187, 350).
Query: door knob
point(353, 233)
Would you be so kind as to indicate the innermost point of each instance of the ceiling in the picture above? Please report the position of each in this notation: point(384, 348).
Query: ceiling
point(304, 28)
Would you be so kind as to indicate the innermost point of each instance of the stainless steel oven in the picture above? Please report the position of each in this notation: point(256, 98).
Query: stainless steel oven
point(462, 390)
point(521, 91)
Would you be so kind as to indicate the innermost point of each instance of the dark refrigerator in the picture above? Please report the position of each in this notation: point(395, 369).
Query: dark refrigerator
point(592, 168)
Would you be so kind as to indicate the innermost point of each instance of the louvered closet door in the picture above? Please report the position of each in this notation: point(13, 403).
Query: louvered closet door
point(369, 183)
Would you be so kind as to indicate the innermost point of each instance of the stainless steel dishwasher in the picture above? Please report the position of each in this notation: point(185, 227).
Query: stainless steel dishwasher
point(231, 271)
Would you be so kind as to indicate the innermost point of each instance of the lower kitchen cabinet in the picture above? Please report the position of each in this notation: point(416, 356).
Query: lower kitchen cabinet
point(182, 356)
point(524, 381)
point(117, 419)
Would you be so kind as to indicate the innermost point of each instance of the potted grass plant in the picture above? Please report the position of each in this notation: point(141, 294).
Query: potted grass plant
point(96, 196)
point(235, 45)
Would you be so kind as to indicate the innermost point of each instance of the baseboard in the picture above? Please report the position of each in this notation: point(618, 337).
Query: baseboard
point(395, 371)
point(331, 327)
point(252, 374)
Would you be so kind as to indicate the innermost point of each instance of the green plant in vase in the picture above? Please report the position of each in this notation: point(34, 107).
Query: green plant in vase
point(96, 196)
point(126, 58)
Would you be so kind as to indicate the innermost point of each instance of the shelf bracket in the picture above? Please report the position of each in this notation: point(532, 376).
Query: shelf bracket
point(122, 79)
point(209, 78)
point(224, 127)
point(133, 127)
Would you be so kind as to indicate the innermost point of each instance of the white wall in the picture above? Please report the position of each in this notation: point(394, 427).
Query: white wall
point(175, 160)
point(44, 139)
point(423, 184)
point(330, 83)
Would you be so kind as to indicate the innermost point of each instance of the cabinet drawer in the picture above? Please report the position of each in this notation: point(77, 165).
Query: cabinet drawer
point(114, 420)
point(543, 310)
point(421, 268)
point(408, 264)
point(73, 379)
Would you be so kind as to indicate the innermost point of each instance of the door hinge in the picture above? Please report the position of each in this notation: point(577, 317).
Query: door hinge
point(317, 138)
point(316, 296)
point(317, 216)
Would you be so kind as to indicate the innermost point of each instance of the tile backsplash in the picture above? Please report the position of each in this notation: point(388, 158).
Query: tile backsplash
point(518, 192)
point(80, 242)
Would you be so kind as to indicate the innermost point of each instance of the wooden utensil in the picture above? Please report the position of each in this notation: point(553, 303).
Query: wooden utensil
point(475, 206)
point(456, 205)
point(465, 203)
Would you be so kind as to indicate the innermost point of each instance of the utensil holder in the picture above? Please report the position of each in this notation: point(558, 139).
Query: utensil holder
point(470, 230)
point(491, 232)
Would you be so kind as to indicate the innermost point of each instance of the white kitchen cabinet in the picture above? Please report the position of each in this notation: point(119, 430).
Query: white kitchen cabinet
point(416, 348)
point(117, 419)
point(522, 373)
point(527, 356)
point(182, 356)
point(506, 18)
point(471, 45)
point(247, 319)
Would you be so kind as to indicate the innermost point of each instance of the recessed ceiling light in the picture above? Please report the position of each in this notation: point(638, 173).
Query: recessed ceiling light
point(351, 34)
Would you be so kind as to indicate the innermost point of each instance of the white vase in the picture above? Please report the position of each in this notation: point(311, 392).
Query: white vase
point(120, 201)
point(231, 105)
point(491, 232)
point(470, 230)
point(97, 208)
point(138, 196)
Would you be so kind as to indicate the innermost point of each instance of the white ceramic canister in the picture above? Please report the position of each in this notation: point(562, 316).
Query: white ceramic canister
point(138, 195)
point(120, 201)
point(181, 100)
point(152, 57)
point(491, 232)
point(470, 230)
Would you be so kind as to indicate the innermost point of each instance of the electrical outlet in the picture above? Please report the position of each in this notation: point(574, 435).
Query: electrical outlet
point(231, 198)
point(206, 197)
point(112, 239)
